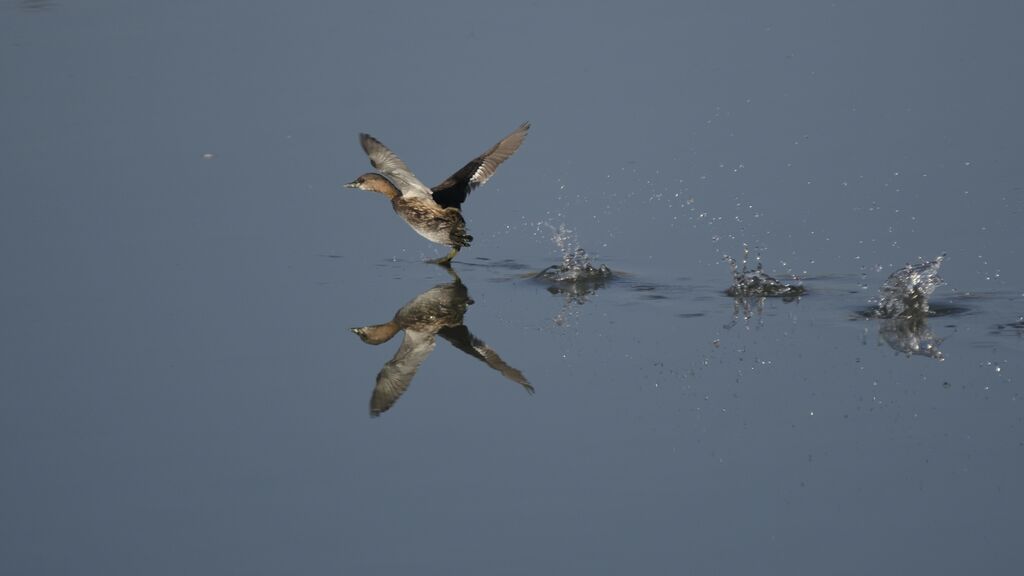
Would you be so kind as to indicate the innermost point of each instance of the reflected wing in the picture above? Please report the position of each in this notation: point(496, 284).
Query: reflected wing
point(390, 165)
point(396, 375)
point(453, 191)
point(461, 338)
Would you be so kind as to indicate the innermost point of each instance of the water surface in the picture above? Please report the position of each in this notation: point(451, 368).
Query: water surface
point(181, 391)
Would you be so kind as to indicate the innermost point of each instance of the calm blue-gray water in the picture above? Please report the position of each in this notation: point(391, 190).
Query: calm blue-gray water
point(181, 391)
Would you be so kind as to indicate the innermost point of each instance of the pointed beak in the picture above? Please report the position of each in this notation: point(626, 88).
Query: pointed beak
point(352, 184)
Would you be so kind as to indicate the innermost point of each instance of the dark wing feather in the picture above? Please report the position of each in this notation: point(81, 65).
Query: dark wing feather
point(453, 191)
point(464, 340)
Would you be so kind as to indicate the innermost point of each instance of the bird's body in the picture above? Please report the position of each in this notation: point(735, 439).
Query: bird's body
point(429, 219)
point(434, 213)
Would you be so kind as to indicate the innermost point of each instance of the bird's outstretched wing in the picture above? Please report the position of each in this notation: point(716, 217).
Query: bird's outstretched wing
point(390, 165)
point(453, 191)
point(395, 376)
point(463, 339)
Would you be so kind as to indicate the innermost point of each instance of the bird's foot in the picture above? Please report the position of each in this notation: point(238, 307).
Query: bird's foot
point(447, 260)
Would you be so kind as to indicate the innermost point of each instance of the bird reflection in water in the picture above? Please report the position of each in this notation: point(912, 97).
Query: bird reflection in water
point(438, 311)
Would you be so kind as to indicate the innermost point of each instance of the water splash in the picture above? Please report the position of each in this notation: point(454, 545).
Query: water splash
point(757, 282)
point(575, 278)
point(905, 293)
point(576, 266)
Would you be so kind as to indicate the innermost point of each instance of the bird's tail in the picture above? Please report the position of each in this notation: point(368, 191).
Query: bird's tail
point(459, 237)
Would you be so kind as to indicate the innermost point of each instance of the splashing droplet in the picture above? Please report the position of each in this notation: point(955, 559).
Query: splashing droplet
point(905, 293)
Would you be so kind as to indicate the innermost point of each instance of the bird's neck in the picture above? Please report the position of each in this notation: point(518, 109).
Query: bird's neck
point(386, 188)
point(379, 333)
